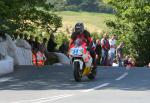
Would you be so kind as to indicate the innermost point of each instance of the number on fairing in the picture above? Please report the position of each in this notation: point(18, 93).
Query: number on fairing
point(77, 51)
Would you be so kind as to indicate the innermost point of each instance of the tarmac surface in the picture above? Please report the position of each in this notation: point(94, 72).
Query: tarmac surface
point(55, 84)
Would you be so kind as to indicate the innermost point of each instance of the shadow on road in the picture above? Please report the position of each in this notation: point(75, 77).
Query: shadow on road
point(138, 79)
point(61, 78)
point(49, 77)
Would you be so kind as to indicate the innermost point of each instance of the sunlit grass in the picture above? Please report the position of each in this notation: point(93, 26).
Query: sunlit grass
point(95, 22)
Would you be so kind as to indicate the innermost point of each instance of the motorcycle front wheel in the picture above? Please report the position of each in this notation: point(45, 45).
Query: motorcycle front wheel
point(77, 73)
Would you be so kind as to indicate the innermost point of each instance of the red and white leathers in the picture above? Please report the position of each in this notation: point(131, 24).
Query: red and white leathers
point(86, 41)
point(39, 58)
point(85, 37)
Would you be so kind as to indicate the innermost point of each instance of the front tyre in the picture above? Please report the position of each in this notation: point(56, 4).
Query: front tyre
point(77, 73)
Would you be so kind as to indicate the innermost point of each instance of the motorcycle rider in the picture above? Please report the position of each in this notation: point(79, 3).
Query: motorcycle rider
point(80, 32)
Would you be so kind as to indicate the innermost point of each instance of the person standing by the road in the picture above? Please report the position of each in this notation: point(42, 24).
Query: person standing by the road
point(119, 54)
point(64, 48)
point(31, 41)
point(149, 65)
point(37, 44)
point(51, 44)
point(105, 48)
point(43, 45)
point(26, 37)
point(126, 60)
point(3, 45)
point(15, 36)
point(111, 53)
point(98, 50)
point(21, 36)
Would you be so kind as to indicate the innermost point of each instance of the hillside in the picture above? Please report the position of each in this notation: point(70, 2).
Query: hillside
point(81, 5)
point(95, 22)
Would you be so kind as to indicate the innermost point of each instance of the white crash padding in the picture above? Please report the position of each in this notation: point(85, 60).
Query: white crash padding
point(6, 65)
point(23, 53)
point(62, 58)
point(23, 56)
point(19, 50)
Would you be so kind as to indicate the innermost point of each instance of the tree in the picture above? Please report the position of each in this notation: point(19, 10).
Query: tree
point(74, 2)
point(58, 4)
point(81, 5)
point(28, 15)
point(90, 5)
point(133, 25)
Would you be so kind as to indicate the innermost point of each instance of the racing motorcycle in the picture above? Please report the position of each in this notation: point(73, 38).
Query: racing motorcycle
point(82, 61)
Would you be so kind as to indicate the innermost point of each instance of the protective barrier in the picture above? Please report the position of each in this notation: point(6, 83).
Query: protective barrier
point(23, 56)
point(6, 65)
point(19, 50)
point(62, 58)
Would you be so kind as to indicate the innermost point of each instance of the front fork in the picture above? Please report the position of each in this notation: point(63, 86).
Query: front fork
point(80, 63)
point(83, 69)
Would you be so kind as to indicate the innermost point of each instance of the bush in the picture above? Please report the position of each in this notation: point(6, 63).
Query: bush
point(60, 38)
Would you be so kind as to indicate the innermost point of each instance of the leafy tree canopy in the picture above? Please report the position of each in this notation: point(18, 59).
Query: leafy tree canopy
point(133, 25)
point(28, 15)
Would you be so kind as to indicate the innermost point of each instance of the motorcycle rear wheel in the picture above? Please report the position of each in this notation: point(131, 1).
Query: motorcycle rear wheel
point(93, 73)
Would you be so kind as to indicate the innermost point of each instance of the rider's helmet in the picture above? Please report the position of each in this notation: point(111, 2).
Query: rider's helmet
point(79, 28)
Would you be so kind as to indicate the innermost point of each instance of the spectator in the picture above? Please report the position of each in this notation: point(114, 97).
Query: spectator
point(36, 44)
point(40, 57)
point(126, 60)
point(105, 48)
point(2, 35)
point(12, 37)
point(131, 63)
point(111, 53)
point(98, 50)
point(64, 48)
point(3, 45)
point(115, 63)
point(26, 37)
point(119, 52)
point(51, 44)
point(15, 37)
point(21, 36)
point(31, 41)
point(149, 65)
point(43, 45)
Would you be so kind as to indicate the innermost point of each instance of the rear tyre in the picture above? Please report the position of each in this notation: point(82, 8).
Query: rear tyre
point(93, 73)
point(77, 73)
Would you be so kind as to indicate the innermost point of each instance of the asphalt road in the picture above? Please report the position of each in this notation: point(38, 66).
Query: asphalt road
point(55, 84)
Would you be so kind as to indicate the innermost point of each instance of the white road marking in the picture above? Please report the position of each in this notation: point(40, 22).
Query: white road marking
point(97, 87)
point(5, 79)
point(122, 76)
point(52, 99)
point(46, 99)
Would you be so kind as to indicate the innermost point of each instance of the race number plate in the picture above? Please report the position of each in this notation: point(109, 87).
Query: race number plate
point(78, 51)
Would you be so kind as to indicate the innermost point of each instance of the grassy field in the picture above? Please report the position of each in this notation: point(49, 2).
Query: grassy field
point(94, 22)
